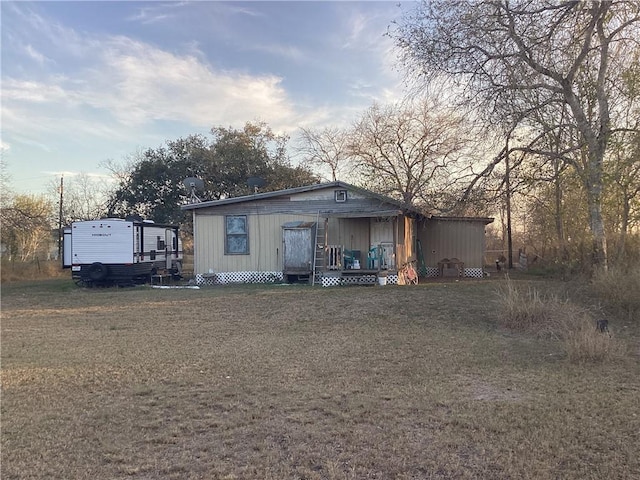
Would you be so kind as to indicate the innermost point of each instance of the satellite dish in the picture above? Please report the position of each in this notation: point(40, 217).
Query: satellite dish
point(255, 183)
point(192, 184)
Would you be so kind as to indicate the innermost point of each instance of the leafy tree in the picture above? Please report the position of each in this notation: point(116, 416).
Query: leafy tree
point(528, 56)
point(151, 186)
point(255, 151)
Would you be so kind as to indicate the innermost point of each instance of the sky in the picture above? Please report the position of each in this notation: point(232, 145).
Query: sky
point(84, 83)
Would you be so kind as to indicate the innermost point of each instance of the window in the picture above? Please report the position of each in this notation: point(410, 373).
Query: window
point(236, 235)
point(341, 196)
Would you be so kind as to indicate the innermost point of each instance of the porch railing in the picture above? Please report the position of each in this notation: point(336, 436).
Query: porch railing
point(333, 257)
point(379, 257)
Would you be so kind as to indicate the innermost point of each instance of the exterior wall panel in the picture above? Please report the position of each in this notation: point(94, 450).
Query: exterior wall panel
point(105, 241)
point(453, 239)
point(265, 242)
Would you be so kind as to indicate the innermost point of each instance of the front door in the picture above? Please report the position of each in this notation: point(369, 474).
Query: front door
point(298, 250)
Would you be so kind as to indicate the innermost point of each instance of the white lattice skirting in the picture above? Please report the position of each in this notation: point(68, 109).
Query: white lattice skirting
point(468, 272)
point(357, 280)
point(474, 272)
point(432, 271)
point(224, 278)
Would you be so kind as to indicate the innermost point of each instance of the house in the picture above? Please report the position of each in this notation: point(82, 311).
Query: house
point(330, 233)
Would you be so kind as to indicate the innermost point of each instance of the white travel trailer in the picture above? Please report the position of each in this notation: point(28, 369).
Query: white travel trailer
point(121, 251)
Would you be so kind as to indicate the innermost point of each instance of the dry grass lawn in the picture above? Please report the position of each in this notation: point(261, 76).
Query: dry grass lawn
point(284, 382)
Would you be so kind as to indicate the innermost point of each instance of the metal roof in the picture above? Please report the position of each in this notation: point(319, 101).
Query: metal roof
point(485, 220)
point(345, 186)
point(307, 188)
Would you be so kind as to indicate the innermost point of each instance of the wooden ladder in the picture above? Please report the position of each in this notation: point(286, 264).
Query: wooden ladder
point(319, 250)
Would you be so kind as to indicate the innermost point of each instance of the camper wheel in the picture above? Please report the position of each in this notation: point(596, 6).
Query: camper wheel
point(98, 271)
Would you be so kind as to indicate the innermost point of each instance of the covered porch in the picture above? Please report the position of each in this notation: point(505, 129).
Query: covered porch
point(358, 248)
point(352, 267)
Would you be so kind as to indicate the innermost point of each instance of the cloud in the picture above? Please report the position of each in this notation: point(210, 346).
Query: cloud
point(146, 83)
point(110, 93)
point(35, 55)
point(156, 12)
point(282, 51)
point(132, 83)
point(135, 83)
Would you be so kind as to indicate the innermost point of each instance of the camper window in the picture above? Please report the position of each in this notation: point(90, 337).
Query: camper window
point(236, 235)
point(160, 243)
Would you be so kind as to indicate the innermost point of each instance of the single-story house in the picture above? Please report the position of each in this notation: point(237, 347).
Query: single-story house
point(327, 233)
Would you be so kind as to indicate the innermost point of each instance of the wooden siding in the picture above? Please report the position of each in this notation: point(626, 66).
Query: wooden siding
point(265, 243)
point(464, 240)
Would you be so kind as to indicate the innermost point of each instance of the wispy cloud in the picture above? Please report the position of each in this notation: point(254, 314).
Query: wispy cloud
point(156, 12)
point(35, 55)
point(289, 52)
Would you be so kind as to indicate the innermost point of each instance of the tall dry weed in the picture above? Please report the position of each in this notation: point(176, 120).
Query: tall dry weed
point(619, 289)
point(11, 271)
point(526, 309)
point(585, 344)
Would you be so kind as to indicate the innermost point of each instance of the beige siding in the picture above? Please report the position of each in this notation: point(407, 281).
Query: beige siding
point(352, 233)
point(265, 243)
point(453, 239)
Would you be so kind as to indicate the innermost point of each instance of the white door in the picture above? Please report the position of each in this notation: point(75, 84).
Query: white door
point(381, 230)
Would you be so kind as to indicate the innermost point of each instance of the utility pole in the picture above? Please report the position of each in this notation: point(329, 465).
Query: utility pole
point(60, 233)
point(508, 187)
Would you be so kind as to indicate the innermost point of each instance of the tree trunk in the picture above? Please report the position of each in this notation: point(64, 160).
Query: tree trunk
point(596, 222)
point(508, 188)
point(562, 245)
point(624, 226)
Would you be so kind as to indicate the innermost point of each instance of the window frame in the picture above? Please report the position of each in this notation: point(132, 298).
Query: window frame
point(227, 235)
point(340, 196)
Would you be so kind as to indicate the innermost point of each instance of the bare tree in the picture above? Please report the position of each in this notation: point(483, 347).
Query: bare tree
point(510, 52)
point(411, 151)
point(84, 197)
point(26, 225)
point(624, 174)
point(326, 148)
